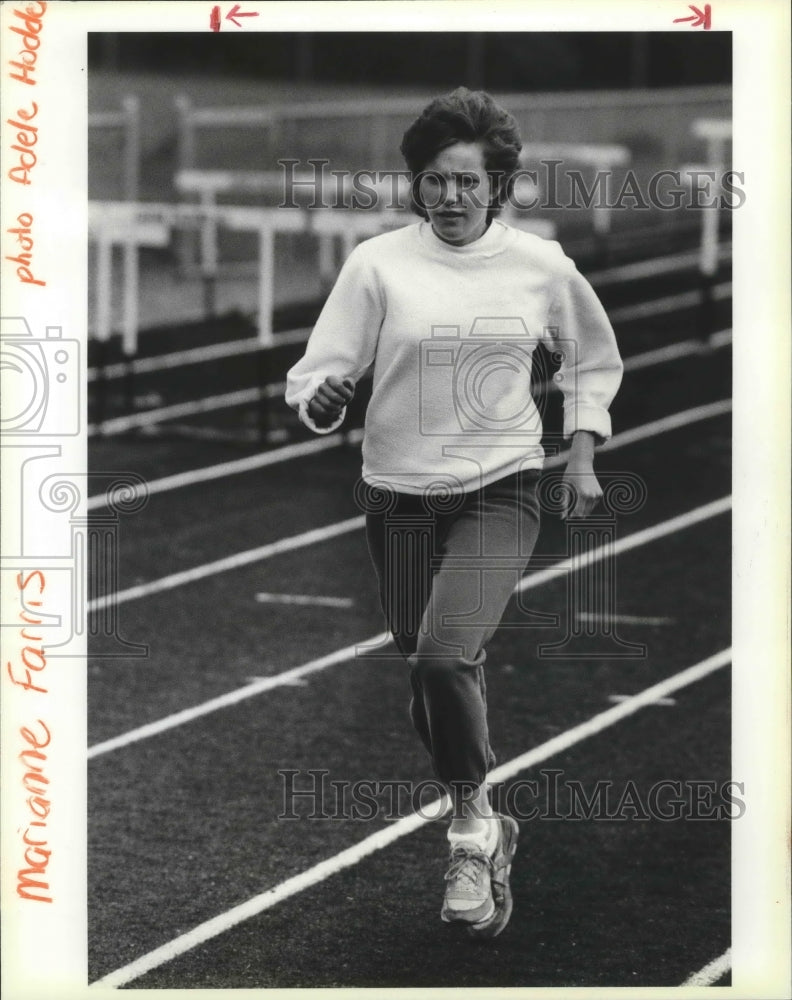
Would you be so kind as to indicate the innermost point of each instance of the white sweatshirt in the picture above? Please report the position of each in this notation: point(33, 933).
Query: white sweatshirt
point(450, 332)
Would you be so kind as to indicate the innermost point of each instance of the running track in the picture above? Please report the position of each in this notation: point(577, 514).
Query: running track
point(194, 882)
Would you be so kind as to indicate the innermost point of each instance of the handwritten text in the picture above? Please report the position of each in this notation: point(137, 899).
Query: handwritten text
point(26, 137)
point(31, 883)
point(24, 237)
point(25, 64)
point(32, 655)
point(27, 674)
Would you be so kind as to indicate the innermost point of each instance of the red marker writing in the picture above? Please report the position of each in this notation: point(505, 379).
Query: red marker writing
point(700, 19)
point(235, 12)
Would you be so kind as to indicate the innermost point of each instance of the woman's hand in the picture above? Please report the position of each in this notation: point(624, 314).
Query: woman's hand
point(583, 490)
point(330, 399)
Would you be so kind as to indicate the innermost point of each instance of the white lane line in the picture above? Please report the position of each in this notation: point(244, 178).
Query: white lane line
point(655, 266)
point(305, 600)
point(316, 535)
point(660, 355)
point(249, 345)
point(198, 433)
point(190, 408)
point(274, 390)
point(287, 678)
point(227, 400)
point(244, 397)
point(529, 582)
point(711, 972)
point(634, 362)
point(196, 355)
point(246, 558)
point(401, 828)
point(594, 725)
point(666, 304)
point(618, 698)
point(297, 682)
point(626, 544)
point(225, 469)
point(585, 616)
point(675, 421)
point(164, 362)
point(671, 352)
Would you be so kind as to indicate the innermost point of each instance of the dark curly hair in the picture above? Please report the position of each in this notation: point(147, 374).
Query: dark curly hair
point(464, 116)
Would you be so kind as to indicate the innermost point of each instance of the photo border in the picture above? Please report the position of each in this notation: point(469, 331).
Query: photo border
point(56, 198)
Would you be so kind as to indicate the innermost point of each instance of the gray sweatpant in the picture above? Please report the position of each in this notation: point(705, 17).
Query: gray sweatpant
point(446, 568)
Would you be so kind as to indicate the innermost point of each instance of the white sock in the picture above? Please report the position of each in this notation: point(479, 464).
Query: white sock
point(484, 836)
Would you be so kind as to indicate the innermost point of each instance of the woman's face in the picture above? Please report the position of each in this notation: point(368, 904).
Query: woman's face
point(455, 192)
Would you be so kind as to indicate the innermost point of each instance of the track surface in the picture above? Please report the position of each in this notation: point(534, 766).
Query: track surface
point(183, 825)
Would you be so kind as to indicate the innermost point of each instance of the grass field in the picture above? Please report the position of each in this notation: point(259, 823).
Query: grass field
point(195, 882)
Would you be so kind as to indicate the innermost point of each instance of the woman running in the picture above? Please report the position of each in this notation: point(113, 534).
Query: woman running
point(447, 313)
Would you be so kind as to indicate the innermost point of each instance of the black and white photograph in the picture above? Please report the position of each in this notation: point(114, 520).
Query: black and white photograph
point(395, 447)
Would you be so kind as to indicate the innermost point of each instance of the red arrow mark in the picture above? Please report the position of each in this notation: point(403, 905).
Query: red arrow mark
point(699, 19)
point(235, 12)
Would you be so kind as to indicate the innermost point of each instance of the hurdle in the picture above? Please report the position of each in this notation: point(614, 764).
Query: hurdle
point(151, 224)
point(209, 185)
point(603, 157)
point(146, 224)
point(128, 120)
point(717, 134)
point(108, 229)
